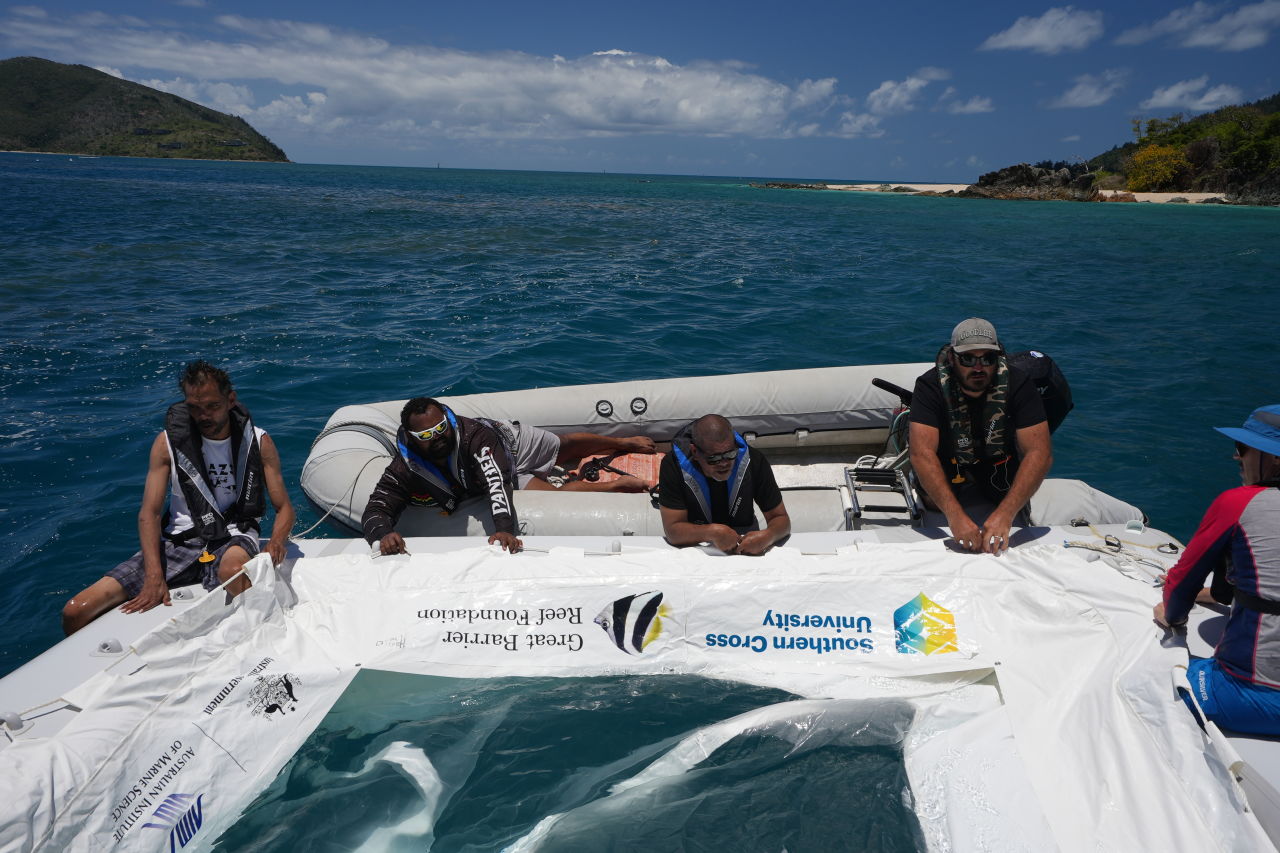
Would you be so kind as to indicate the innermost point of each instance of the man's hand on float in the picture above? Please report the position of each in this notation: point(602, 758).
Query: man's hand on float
point(154, 591)
point(723, 537)
point(995, 533)
point(392, 543)
point(755, 543)
point(629, 483)
point(1162, 619)
point(277, 550)
point(966, 533)
point(508, 541)
point(641, 444)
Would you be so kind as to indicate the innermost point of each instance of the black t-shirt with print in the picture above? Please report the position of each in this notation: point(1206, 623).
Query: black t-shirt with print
point(759, 487)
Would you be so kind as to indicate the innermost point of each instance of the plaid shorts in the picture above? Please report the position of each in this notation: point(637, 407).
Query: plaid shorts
point(181, 564)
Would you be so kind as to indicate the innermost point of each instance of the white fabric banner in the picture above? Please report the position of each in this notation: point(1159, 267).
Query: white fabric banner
point(1045, 713)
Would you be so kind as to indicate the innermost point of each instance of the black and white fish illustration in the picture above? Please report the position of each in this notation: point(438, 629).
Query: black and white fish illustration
point(632, 623)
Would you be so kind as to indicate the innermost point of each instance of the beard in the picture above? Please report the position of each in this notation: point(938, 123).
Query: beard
point(976, 383)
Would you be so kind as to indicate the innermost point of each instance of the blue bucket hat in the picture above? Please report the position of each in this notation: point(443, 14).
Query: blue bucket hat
point(1260, 431)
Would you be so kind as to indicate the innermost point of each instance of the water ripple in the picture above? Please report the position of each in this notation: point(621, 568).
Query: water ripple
point(321, 286)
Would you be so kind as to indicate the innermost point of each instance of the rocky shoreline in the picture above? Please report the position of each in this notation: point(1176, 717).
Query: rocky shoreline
point(1025, 182)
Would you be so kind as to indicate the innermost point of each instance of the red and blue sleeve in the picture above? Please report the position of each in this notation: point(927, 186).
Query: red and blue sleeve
point(1206, 549)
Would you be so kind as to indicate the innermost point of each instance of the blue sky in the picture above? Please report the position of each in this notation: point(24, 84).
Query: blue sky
point(833, 90)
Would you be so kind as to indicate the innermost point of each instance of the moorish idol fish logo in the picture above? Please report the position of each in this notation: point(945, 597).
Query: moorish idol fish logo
point(632, 623)
point(923, 626)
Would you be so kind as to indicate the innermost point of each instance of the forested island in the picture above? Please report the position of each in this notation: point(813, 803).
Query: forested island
point(74, 109)
point(1228, 156)
point(1233, 151)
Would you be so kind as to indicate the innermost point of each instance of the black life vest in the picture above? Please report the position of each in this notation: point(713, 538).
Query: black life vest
point(185, 447)
point(1055, 393)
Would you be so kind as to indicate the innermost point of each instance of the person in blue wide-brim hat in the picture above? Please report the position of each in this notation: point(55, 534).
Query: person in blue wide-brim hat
point(1261, 432)
point(1238, 544)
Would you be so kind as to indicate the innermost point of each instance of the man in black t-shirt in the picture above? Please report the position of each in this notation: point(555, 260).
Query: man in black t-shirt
point(707, 486)
point(979, 437)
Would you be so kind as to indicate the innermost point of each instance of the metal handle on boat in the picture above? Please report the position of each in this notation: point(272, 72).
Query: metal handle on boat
point(901, 393)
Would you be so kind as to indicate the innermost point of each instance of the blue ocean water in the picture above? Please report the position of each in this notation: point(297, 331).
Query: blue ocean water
point(407, 762)
point(318, 286)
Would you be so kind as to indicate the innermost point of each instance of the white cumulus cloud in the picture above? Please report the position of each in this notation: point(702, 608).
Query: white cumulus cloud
point(224, 97)
point(1193, 95)
point(1092, 90)
point(314, 76)
point(1245, 28)
point(1177, 21)
point(1059, 29)
point(853, 125)
point(976, 104)
point(893, 96)
point(1205, 25)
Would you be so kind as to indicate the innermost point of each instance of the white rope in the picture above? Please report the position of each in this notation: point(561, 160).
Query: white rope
point(1124, 558)
point(350, 491)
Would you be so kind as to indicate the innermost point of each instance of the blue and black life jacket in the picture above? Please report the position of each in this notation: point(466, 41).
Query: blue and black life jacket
point(697, 481)
point(441, 487)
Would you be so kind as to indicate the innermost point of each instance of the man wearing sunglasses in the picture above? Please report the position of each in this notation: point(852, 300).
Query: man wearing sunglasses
point(443, 459)
point(1238, 545)
point(979, 437)
point(213, 464)
point(707, 486)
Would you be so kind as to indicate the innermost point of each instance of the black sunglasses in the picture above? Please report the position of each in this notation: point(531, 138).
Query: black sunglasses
point(967, 360)
point(714, 458)
point(1241, 448)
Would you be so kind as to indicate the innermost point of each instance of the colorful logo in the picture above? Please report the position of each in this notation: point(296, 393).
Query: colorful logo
point(180, 817)
point(635, 621)
point(924, 626)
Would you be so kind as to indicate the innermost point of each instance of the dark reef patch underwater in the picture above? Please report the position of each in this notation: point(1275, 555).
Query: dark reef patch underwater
point(407, 762)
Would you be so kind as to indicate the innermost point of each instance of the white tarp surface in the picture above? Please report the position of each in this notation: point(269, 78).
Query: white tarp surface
point(1045, 711)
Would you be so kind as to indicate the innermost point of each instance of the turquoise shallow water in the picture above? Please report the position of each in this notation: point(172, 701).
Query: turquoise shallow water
point(500, 755)
point(318, 286)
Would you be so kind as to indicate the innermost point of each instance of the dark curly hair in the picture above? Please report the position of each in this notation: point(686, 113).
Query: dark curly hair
point(199, 372)
point(418, 406)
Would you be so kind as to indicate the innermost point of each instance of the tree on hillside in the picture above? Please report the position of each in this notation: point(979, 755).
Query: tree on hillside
point(1158, 167)
point(1156, 126)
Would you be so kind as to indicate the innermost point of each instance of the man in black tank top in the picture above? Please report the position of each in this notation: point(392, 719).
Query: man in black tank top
point(217, 493)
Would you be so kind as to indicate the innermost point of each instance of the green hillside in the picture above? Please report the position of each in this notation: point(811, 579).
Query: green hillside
point(1234, 150)
point(73, 109)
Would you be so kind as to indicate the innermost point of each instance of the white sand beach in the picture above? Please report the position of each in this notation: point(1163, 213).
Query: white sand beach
point(884, 187)
point(915, 188)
